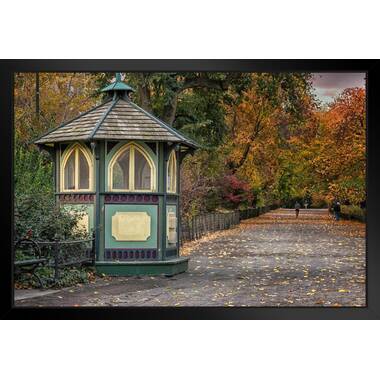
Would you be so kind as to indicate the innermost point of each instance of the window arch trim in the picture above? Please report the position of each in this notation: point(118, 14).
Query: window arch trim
point(64, 158)
point(119, 152)
point(171, 186)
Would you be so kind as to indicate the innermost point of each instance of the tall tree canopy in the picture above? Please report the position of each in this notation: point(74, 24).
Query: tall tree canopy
point(191, 102)
point(264, 136)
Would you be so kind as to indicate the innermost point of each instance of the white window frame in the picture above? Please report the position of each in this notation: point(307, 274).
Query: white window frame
point(133, 147)
point(169, 186)
point(76, 147)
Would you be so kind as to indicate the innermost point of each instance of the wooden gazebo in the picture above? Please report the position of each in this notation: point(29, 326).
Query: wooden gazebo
point(121, 165)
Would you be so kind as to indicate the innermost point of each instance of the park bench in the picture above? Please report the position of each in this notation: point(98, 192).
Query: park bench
point(31, 258)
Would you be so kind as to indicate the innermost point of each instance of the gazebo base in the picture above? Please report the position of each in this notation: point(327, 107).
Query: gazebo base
point(168, 267)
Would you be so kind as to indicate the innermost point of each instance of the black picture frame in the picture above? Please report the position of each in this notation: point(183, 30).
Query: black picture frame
point(372, 311)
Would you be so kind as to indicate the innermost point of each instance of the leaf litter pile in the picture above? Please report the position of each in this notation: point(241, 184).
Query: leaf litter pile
point(272, 260)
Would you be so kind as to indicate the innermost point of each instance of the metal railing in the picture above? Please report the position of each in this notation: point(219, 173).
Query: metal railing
point(200, 225)
point(64, 253)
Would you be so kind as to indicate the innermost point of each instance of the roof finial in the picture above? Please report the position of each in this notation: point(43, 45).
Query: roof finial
point(118, 88)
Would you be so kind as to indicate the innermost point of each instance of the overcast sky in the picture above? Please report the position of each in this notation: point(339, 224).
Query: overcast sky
point(329, 85)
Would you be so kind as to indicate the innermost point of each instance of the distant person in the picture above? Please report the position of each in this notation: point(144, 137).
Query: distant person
point(297, 207)
point(306, 204)
point(336, 209)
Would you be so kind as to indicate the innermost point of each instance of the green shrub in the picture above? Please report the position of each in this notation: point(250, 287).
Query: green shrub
point(67, 277)
point(73, 276)
point(353, 212)
point(39, 214)
point(35, 207)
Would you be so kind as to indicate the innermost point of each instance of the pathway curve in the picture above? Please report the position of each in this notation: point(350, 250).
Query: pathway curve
point(272, 260)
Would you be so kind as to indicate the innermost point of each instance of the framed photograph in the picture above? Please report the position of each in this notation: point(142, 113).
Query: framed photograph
point(190, 189)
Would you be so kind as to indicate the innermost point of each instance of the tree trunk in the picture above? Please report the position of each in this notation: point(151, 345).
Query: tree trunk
point(38, 96)
point(255, 132)
point(144, 93)
point(170, 111)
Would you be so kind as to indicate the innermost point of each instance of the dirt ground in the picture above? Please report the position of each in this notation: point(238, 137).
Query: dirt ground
point(272, 260)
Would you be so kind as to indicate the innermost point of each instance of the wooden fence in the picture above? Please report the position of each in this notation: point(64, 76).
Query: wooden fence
point(203, 224)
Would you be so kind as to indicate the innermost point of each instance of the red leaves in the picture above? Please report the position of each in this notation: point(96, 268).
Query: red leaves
point(236, 191)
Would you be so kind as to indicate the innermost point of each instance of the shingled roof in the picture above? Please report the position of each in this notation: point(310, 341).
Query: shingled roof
point(118, 118)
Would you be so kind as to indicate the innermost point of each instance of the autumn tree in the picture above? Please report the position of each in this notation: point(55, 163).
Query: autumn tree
point(339, 150)
point(192, 102)
point(61, 97)
point(263, 136)
point(261, 125)
point(282, 100)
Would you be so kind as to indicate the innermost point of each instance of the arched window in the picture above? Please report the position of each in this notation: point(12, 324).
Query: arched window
point(172, 173)
point(76, 169)
point(132, 169)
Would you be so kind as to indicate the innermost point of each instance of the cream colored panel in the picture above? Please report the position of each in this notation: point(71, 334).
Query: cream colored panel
point(131, 226)
point(172, 228)
point(82, 221)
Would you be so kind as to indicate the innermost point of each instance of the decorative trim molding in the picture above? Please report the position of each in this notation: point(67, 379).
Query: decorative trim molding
point(130, 254)
point(128, 198)
point(76, 198)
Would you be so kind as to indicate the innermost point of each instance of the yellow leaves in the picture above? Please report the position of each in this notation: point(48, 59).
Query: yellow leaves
point(340, 155)
point(343, 291)
point(62, 97)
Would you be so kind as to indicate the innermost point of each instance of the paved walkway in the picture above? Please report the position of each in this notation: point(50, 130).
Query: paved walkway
point(273, 260)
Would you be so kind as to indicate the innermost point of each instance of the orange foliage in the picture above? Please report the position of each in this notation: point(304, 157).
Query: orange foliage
point(341, 148)
point(62, 97)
